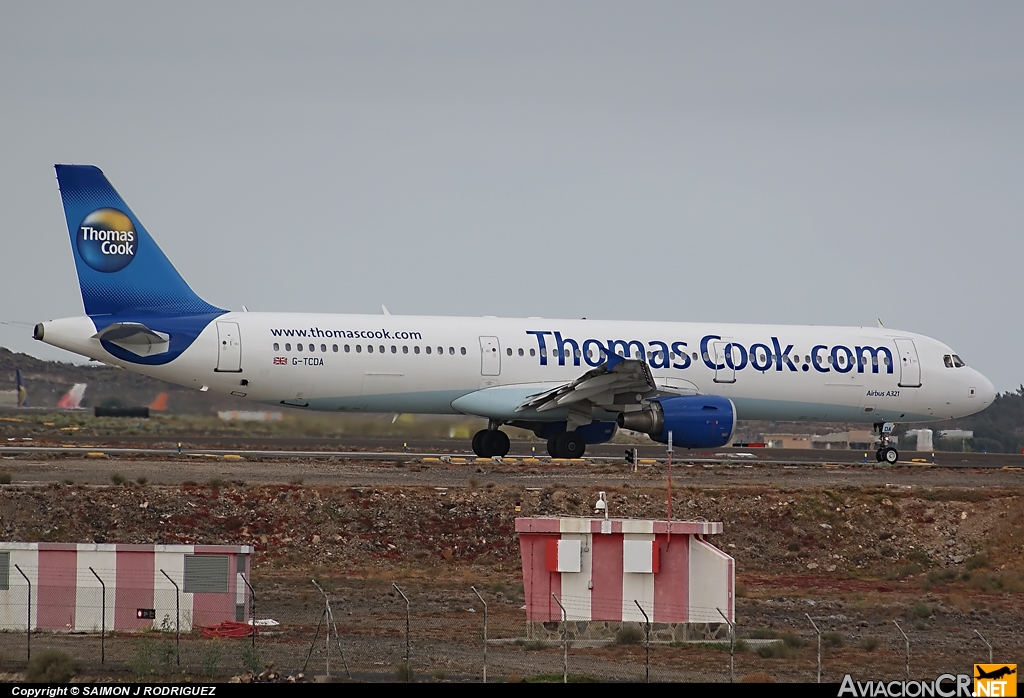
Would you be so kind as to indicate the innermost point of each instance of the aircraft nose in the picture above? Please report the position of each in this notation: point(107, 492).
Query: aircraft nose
point(983, 389)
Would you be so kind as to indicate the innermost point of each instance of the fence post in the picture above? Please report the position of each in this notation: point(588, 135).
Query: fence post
point(907, 639)
point(177, 622)
point(732, 643)
point(647, 642)
point(28, 621)
point(408, 666)
point(987, 644)
point(328, 618)
point(819, 645)
point(103, 617)
point(565, 641)
point(252, 607)
point(485, 629)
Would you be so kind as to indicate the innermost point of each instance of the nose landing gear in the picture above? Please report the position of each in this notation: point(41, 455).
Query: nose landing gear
point(885, 453)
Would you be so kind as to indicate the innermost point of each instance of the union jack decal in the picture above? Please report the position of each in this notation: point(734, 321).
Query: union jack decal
point(280, 360)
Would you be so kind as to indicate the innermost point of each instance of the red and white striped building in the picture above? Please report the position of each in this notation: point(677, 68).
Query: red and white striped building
point(67, 595)
point(601, 568)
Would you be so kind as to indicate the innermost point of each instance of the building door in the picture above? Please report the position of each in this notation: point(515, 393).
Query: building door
point(229, 354)
point(910, 366)
point(490, 356)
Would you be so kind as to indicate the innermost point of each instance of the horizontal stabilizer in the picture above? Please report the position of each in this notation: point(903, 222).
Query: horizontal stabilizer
point(135, 337)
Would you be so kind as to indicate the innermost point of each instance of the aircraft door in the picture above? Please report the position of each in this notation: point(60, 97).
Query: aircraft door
point(726, 374)
point(490, 356)
point(910, 365)
point(229, 348)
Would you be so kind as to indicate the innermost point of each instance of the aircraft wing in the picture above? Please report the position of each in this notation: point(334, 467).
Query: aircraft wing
point(618, 385)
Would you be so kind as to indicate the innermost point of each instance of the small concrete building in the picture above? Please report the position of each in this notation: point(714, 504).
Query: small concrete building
point(68, 579)
point(600, 569)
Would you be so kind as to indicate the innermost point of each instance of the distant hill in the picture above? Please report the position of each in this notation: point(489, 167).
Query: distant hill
point(46, 381)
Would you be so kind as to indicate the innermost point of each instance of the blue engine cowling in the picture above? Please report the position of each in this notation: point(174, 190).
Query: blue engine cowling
point(696, 421)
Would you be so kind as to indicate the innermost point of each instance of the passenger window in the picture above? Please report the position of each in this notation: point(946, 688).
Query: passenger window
point(807, 359)
point(312, 348)
point(381, 348)
point(509, 351)
point(463, 351)
point(440, 350)
point(830, 358)
point(359, 348)
point(335, 348)
point(394, 349)
point(533, 352)
point(277, 347)
point(695, 356)
point(428, 350)
point(577, 353)
point(323, 348)
point(287, 347)
point(405, 349)
point(520, 351)
point(416, 349)
point(543, 352)
point(299, 347)
point(369, 348)
point(347, 348)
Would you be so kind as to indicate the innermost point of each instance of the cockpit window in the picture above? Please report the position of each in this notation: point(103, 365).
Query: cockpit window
point(948, 360)
point(957, 361)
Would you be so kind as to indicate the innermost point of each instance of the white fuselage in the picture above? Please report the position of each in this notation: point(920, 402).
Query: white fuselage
point(488, 366)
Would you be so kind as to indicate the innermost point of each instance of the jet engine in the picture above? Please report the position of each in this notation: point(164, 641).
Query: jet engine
point(696, 421)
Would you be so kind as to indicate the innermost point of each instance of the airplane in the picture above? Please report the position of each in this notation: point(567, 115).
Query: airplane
point(72, 399)
point(572, 382)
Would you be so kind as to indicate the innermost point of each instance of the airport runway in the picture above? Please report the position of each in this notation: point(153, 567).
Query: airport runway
point(165, 466)
point(384, 448)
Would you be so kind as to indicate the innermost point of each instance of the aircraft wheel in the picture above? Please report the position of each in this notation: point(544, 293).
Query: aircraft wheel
point(496, 443)
point(553, 446)
point(891, 455)
point(570, 445)
point(478, 443)
point(878, 455)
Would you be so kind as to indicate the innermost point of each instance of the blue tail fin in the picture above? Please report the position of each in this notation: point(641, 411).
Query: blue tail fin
point(120, 268)
point(22, 393)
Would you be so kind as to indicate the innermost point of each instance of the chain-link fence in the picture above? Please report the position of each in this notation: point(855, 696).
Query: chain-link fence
point(389, 633)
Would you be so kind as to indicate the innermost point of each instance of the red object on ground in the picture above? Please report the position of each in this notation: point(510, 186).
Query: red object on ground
point(229, 628)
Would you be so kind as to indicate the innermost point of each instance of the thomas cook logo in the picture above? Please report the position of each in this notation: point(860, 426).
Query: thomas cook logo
point(107, 240)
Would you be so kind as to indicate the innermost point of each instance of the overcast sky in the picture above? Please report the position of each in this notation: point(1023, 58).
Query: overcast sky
point(807, 163)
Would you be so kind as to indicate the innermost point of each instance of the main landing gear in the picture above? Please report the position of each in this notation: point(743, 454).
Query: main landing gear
point(567, 444)
point(885, 452)
point(490, 442)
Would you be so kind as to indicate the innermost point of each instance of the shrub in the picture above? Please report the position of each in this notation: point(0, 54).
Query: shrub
point(629, 635)
point(142, 479)
point(118, 478)
point(921, 610)
point(775, 650)
point(792, 640)
point(832, 638)
point(50, 666)
point(869, 644)
point(976, 561)
point(215, 482)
